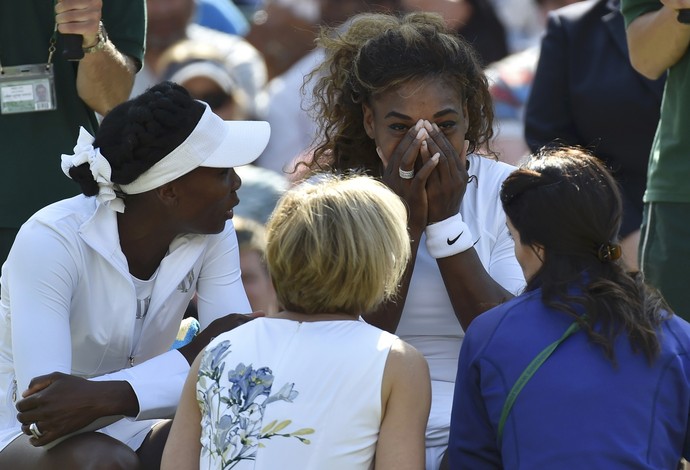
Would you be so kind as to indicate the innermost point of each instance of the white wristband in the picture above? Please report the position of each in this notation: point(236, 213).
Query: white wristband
point(448, 237)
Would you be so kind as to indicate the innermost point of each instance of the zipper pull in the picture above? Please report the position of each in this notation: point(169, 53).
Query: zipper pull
point(131, 361)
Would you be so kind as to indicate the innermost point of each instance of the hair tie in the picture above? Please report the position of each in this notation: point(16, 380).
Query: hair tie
point(609, 252)
point(84, 152)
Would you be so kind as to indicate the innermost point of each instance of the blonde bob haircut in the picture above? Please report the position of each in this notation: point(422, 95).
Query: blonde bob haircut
point(337, 245)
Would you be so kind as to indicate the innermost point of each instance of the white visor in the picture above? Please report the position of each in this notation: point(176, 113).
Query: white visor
point(213, 143)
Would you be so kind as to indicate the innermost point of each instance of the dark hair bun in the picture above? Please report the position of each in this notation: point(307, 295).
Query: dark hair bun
point(82, 175)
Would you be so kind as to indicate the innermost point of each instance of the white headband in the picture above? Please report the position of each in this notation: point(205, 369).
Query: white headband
point(213, 143)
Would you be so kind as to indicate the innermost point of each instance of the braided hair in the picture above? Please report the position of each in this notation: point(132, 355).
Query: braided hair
point(138, 133)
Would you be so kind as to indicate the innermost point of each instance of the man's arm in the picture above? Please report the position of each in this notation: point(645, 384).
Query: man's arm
point(105, 76)
point(657, 40)
point(105, 79)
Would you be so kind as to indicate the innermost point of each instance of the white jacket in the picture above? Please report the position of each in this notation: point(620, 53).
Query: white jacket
point(68, 304)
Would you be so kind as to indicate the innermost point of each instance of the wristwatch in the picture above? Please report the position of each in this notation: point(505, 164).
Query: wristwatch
point(101, 40)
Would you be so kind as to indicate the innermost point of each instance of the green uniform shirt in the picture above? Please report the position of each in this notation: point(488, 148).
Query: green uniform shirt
point(31, 143)
point(669, 163)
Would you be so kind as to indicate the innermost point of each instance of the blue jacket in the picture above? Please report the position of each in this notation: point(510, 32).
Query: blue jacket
point(578, 411)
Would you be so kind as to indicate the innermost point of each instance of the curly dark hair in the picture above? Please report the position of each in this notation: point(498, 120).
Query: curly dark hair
point(138, 133)
point(377, 53)
point(566, 201)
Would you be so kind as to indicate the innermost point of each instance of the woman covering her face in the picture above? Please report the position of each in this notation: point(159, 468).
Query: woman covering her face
point(95, 286)
point(587, 368)
point(406, 100)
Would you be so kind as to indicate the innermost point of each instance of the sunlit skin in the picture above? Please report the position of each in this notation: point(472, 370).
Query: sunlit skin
point(166, 22)
point(455, 12)
point(257, 282)
point(334, 12)
point(201, 86)
point(391, 114)
point(206, 199)
point(421, 125)
point(530, 257)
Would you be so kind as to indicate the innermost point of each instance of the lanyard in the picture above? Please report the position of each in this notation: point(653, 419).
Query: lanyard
point(528, 373)
point(51, 49)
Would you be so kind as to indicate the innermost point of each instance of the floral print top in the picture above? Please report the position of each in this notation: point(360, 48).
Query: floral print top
point(232, 414)
point(278, 393)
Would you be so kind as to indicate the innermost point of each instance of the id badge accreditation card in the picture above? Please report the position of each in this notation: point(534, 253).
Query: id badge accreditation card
point(27, 89)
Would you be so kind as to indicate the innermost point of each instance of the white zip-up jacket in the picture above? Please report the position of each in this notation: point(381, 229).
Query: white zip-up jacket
point(68, 304)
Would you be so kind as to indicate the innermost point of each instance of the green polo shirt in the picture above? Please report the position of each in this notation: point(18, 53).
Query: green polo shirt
point(31, 143)
point(668, 173)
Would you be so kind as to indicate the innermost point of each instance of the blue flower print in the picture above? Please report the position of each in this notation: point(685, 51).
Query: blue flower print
point(233, 409)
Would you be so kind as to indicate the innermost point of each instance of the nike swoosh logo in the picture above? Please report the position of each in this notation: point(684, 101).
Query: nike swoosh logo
point(452, 242)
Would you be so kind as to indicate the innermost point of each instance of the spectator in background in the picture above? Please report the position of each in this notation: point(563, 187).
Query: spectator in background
point(283, 31)
point(251, 237)
point(32, 141)
point(658, 42)
point(586, 93)
point(522, 21)
point(293, 129)
point(510, 82)
point(474, 20)
point(485, 31)
point(260, 191)
point(221, 15)
point(200, 68)
point(170, 21)
point(248, 7)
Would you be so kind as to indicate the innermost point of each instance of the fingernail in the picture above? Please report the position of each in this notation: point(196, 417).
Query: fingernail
point(435, 127)
point(419, 124)
point(428, 126)
point(422, 134)
point(424, 144)
point(436, 156)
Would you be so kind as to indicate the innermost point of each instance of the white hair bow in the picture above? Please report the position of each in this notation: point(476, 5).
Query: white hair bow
point(99, 166)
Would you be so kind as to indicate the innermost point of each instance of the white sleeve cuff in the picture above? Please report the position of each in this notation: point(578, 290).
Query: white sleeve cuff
point(157, 384)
